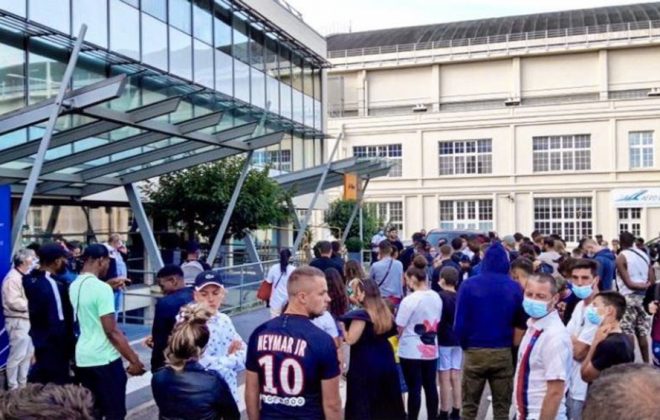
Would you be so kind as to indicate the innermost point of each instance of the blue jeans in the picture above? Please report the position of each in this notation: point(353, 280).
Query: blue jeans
point(655, 353)
point(119, 298)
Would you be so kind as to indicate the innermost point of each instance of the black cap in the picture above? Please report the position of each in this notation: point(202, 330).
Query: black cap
point(50, 252)
point(208, 277)
point(96, 251)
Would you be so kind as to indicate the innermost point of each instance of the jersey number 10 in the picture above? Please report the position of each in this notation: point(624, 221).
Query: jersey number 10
point(288, 367)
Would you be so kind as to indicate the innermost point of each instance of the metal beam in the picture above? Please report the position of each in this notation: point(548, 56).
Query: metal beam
point(358, 205)
point(92, 129)
point(319, 188)
point(79, 98)
point(146, 232)
point(188, 161)
point(253, 254)
point(54, 109)
point(226, 218)
point(170, 130)
point(22, 174)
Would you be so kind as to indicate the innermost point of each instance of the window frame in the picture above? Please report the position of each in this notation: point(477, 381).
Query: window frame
point(641, 147)
point(479, 206)
point(571, 228)
point(455, 151)
point(543, 153)
point(391, 152)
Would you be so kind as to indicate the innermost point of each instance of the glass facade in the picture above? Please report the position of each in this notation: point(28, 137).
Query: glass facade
point(210, 43)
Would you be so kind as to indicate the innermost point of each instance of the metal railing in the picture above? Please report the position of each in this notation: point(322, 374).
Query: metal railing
point(609, 29)
point(241, 283)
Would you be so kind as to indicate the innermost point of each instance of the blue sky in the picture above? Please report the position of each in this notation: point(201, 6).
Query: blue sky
point(332, 16)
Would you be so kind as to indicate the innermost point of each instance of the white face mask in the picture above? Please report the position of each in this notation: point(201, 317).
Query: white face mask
point(35, 263)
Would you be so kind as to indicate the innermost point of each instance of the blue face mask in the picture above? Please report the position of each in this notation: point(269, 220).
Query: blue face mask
point(593, 316)
point(583, 292)
point(535, 308)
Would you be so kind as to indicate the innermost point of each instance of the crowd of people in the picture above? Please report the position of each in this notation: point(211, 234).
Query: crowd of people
point(545, 327)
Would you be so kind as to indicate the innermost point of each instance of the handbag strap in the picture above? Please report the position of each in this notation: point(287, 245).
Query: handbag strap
point(78, 300)
point(387, 273)
point(278, 280)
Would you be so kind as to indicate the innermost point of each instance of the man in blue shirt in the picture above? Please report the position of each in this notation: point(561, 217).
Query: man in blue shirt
point(488, 309)
point(170, 280)
point(388, 274)
point(292, 366)
point(606, 263)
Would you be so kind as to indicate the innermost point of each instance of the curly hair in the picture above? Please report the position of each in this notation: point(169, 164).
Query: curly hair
point(50, 401)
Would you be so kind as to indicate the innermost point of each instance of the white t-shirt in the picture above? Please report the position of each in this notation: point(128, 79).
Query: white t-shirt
point(419, 316)
point(549, 360)
point(585, 331)
point(279, 280)
point(638, 269)
point(327, 323)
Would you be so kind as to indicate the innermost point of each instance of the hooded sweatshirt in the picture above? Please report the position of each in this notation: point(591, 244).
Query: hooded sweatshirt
point(606, 266)
point(489, 305)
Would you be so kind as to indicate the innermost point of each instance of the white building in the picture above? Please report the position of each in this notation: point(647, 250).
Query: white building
point(547, 121)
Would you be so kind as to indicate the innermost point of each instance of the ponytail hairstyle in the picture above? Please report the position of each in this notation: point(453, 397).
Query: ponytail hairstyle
point(417, 270)
point(373, 303)
point(285, 256)
point(189, 337)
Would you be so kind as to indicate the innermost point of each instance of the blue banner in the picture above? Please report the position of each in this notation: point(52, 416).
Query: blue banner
point(5, 262)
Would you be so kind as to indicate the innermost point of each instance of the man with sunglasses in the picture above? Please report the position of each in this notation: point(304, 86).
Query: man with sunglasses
point(176, 294)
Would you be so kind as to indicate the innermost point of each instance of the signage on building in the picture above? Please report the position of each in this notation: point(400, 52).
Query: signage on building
point(636, 197)
point(351, 186)
point(5, 258)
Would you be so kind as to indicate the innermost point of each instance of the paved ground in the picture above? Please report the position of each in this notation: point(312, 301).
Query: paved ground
point(139, 399)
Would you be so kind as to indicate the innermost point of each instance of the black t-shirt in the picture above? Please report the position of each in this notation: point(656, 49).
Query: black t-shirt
point(292, 357)
point(616, 349)
point(446, 335)
point(323, 263)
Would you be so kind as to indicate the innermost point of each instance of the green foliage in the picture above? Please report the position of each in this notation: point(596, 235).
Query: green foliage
point(339, 213)
point(196, 199)
point(354, 244)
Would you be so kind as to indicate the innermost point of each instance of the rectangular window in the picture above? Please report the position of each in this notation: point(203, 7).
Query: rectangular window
point(466, 214)
point(562, 153)
point(388, 213)
point(458, 157)
point(180, 15)
point(278, 159)
point(54, 14)
point(124, 41)
point(630, 220)
point(570, 218)
point(94, 14)
point(180, 54)
point(641, 149)
point(154, 42)
point(203, 54)
point(391, 152)
point(156, 8)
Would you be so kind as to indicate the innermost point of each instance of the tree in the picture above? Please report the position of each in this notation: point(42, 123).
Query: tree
point(196, 199)
point(339, 213)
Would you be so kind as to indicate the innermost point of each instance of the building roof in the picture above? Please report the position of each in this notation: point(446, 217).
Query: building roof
point(499, 26)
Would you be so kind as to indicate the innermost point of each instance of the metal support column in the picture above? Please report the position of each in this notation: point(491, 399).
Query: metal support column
point(319, 188)
point(253, 254)
point(24, 206)
point(226, 218)
point(358, 205)
point(146, 232)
